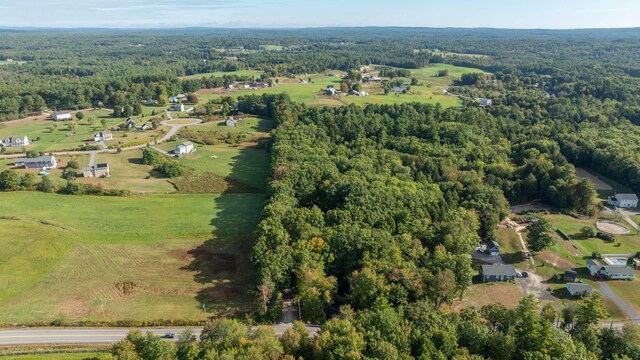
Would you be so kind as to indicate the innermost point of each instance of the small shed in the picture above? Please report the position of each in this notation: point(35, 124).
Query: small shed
point(493, 248)
point(570, 276)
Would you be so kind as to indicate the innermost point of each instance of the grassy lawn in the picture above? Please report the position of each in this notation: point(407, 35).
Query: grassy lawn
point(510, 247)
point(47, 135)
point(628, 290)
point(454, 71)
point(127, 172)
point(143, 257)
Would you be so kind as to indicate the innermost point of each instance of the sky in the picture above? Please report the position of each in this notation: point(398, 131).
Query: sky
point(520, 14)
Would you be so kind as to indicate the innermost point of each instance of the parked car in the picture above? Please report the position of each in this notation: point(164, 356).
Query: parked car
point(525, 274)
point(169, 335)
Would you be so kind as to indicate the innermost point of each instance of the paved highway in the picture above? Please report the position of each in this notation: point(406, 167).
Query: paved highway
point(60, 336)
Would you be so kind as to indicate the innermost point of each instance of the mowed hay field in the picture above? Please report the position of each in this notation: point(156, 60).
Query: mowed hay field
point(135, 258)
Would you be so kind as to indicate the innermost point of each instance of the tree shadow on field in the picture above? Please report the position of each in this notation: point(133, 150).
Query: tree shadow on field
point(223, 264)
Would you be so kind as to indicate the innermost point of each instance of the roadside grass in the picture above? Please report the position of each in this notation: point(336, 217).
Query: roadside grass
point(134, 258)
point(628, 290)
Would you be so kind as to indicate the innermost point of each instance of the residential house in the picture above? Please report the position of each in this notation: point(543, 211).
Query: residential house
point(485, 102)
point(624, 200)
point(493, 248)
point(13, 141)
point(331, 91)
point(130, 124)
point(579, 289)
point(176, 107)
point(570, 276)
point(61, 115)
point(178, 98)
point(99, 171)
point(184, 148)
point(400, 89)
point(45, 162)
point(231, 122)
point(497, 273)
point(144, 127)
point(103, 136)
point(609, 272)
point(636, 264)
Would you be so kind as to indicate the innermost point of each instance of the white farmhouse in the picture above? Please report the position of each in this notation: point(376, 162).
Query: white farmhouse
point(13, 141)
point(61, 115)
point(624, 200)
point(184, 148)
point(103, 136)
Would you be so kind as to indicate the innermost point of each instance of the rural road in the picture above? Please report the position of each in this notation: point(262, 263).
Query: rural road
point(58, 336)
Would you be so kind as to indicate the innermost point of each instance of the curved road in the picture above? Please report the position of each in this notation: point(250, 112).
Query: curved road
point(58, 336)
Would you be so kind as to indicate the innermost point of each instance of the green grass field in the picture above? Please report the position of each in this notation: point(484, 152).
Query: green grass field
point(143, 257)
point(628, 290)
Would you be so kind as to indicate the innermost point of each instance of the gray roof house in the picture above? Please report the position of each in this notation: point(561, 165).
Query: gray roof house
point(40, 162)
point(231, 122)
point(579, 289)
point(497, 273)
point(624, 200)
point(610, 272)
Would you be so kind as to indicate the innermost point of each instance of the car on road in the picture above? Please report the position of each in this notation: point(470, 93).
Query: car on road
point(169, 335)
point(525, 274)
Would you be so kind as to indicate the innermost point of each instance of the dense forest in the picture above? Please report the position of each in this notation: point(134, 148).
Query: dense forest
point(373, 211)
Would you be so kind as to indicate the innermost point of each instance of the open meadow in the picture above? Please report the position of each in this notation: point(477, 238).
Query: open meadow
point(110, 258)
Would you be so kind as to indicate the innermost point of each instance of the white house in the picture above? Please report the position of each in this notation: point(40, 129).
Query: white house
point(176, 107)
point(41, 162)
point(184, 148)
point(61, 115)
point(485, 102)
point(15, 141)
point(231, 122)
point(103, 136)
point(624, 200)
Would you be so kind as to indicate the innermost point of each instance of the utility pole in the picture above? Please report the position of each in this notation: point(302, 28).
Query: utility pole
point(204, 310)
point(299, 312)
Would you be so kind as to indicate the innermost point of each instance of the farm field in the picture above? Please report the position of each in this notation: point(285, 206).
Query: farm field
point(109, 258)
point(604, 186)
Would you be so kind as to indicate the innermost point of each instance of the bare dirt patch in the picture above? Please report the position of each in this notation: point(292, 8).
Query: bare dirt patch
point(507, 294)
point(555, 260)
point(214, 91)
point(597, 182)
point(612, 227)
